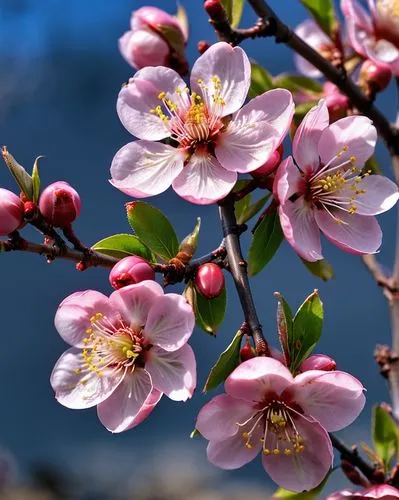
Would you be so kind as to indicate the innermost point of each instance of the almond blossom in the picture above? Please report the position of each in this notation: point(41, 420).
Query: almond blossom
point(322, 187)
point(265, 409)
point(374, 35)
point(382, 491)
point(127, 350)
point(210, 137)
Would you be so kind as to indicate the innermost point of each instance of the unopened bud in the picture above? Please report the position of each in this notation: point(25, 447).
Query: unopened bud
point(189, 245)
point(215, 10)
point(11, 212)
point(318, 362)
point(203, 46)
point(374, 77)
point(247, 351)
point(129, 271)
point(209, 280)
point(59, 204)
point(337, 103)
point(271, 164)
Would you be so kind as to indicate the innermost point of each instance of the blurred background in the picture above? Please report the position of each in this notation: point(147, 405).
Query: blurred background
point(60, 75)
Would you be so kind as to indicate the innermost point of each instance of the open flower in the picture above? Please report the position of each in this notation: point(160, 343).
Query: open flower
point(374, 36)
point(214, 138)
point(323, 188)
point(382, 491)
point(265, 409)
point(127, 351)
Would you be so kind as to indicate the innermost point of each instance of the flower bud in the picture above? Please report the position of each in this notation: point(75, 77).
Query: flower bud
point(247, 351)
point(209, 280)
point(203, 46)
point(337, 103)
point(59, 204)
point(271, 164)
point(11, 212)
point(374, 77)
point(318, 362)
point(215, 10)
point(129, 271)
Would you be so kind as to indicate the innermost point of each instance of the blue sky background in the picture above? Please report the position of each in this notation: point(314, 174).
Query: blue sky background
point(59, 78)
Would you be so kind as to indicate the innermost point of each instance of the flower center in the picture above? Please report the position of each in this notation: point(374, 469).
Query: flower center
point(279, 432)
point(110, 345)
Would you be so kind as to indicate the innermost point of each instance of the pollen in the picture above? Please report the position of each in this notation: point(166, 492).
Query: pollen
point(276, 451)
point(161, 96)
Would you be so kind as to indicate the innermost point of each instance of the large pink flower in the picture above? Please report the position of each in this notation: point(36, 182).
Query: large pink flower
point(214, 138)
point(127, 351)
point(382, 491)
point(266, 409)
point(374, 36)
point(322, 188)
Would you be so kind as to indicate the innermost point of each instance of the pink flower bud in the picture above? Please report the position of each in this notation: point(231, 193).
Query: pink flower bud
point(11, 212)
point(215, 9)
point(247, 351)
point(318, 362)
point(144, 48)
point(59, 204)
point(209, 280)
point(375, 76)
point(337, 103)
point(271, 165)
point(129, 271)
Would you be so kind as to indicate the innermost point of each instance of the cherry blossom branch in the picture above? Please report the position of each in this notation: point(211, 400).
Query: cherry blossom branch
point(238, 269)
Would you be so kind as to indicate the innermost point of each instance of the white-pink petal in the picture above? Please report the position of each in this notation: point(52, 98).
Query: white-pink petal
point(333, 398)
point(231, 65)
point(311, 33)
point(173, 373)
point(255, 378)
point(381, 195)
point(287, 181)
point(119, 412)
point(204, 181)
point(78, 387)
point(144, 168)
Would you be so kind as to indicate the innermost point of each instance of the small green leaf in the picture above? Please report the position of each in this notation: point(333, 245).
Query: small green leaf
point(21, 176)
point(245, 210)
point(210, 313)
point(298, 83)
point(284, 326)
point(265, 243)
point(153, 229)
point(190, 242)
point(234, 10)
point(123, 245)
point(227, 362)
point(306, 495)
point(385, 435)
point(181, 16)
point(323, 13)
point(36, 180)
point(261, 80)
point(307, 328)
point(321, 268)
point(195, 433)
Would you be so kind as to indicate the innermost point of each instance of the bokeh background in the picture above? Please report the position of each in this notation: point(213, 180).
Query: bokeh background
point(60, 72)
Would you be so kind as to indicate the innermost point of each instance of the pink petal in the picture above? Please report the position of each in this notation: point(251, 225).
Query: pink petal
point(143, 47)
point(73, 315)
point(232, 67)
point(219, 418)
point(382, 491)
point(140, 95)
point(144, 168)
point(170, 322)
point(135, 301)
point(311, 33)
point(254, 379)
point(305, 470)
point(173, 373)
point(126, 405)
point(382, 51)
point(300, 229)
point(357, 134)
point(76, 386)
point(341, 495)
point(333, 398)
point(232, 453)
point(357, 234)
point(307, 137)
point(204, 180)
point(381, 195)
point(287, 181)
point(356, 14)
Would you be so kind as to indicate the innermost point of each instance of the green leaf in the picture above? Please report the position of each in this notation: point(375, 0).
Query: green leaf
point(36, 180)
point(181, 16)
point(265, 243)
point(261, 80)
point(227, 362)
point(306, 495)
point(321, 268)
point(123, 245)
point(385, 435)
point(307, 328)
point(210, 313)
point(245, 210)
point(21, 176)
point(284, 326)
point(323, 13)
point(234, 10)
point(195, 433)
point(298, 83)
point(153, 229)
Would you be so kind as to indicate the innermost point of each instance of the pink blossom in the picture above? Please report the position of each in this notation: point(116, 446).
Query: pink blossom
point(215, 138)
point(382, 491)
point(321, 188)
point(374, 35)
point(127, 350)
point(60, 204)
point(11, 212)
point(266, 409)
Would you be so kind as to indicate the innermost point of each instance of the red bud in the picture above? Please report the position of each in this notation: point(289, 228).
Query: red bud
point(59, 204)
point(129, 271)
point(11, 212)
point(209, 280)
